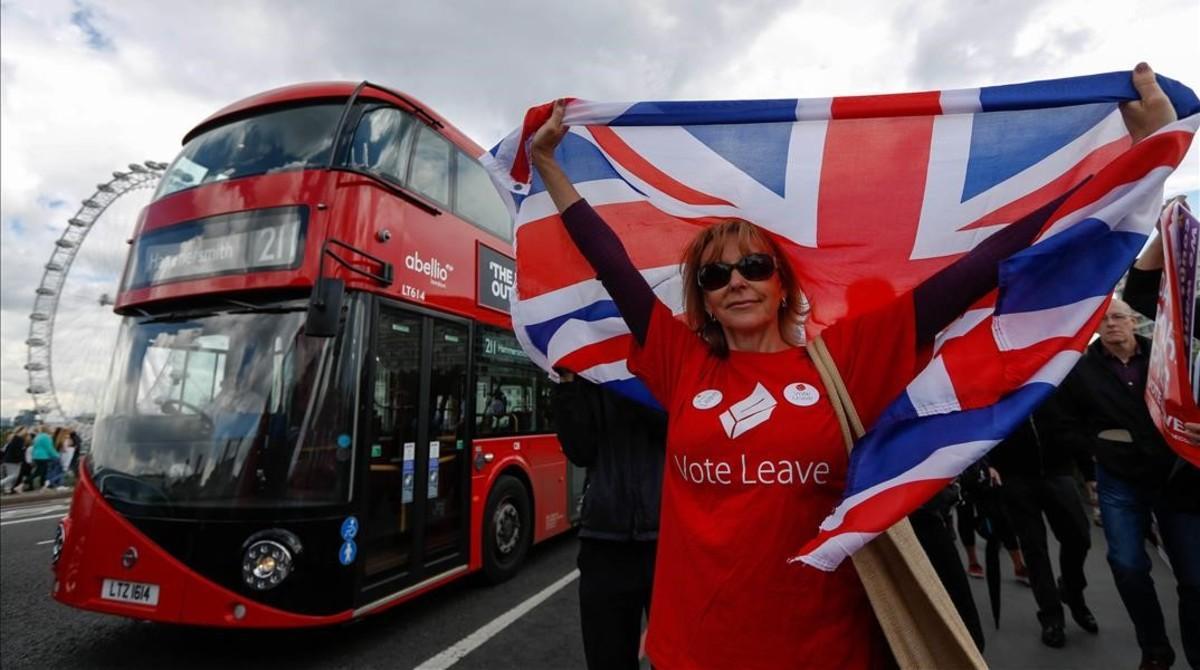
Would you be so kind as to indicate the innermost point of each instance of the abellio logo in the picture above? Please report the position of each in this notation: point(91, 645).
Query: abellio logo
point(432, 268)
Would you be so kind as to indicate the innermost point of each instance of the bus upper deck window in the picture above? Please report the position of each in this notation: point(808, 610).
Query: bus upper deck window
point(431, 166)
point(276, 140)
point(476, 199)
point(382, 143)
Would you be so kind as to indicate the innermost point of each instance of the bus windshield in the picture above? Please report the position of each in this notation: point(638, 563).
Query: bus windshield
point(226, 409)
point(285, 139)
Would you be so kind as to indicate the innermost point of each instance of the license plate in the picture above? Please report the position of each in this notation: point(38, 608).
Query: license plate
point(129, 592)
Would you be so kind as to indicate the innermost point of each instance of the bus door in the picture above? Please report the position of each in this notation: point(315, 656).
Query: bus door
point(415, 519)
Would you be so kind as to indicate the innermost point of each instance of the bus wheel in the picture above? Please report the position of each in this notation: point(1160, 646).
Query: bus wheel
point(507, 529)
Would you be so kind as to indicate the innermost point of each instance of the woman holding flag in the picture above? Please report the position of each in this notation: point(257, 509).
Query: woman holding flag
point(755, 452)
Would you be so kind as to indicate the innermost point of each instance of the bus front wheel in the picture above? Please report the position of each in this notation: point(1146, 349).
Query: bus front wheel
point(507, 529)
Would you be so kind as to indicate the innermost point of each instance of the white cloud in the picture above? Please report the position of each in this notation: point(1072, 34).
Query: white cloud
point(70, 113)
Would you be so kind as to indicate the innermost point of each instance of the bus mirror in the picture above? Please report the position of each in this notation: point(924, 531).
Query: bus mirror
point(325, 307)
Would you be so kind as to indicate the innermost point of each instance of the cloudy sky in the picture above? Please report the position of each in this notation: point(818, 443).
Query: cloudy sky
point(87, 87)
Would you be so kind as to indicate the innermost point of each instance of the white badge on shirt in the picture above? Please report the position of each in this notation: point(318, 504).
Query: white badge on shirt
point(707, 399)
point(801, 394)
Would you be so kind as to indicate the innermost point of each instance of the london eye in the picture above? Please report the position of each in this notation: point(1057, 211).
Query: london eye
point(72, 328)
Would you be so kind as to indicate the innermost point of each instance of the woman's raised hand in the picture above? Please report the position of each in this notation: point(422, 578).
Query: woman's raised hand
point(547, 138)
point(541, 151)
point(1152, 111)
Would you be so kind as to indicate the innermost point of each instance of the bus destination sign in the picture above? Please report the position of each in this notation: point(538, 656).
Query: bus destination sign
point(501, 347)
point(266, 239)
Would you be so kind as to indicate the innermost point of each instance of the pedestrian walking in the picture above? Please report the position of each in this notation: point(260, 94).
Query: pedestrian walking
point(934, 529)
point(1037, 466)
point(1137, 477)
point(977, 485)
point(73, 466)
point(55, 471)
point(25, 477)
point(64, 441)
point(621, 443)
point(13, 458)
point(44, 454)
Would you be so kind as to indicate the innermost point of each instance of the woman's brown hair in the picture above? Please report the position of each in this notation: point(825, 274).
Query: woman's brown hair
point(706, 247)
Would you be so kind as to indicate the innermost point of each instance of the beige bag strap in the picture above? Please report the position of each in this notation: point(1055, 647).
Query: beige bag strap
point(839, 397)
point(922, 626)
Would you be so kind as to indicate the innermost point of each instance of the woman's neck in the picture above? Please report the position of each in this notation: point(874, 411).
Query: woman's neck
point(765, 341)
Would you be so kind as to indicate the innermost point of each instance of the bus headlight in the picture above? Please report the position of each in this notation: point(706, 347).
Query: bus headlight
point(60, 536)
point(269, 559)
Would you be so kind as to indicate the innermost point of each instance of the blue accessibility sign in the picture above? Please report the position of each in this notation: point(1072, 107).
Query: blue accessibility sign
point(349, 528)
point(347, 553)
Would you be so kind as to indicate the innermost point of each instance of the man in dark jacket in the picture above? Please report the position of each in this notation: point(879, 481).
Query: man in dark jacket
point(621, 443)
point(1037, 463)
point(1136, 475)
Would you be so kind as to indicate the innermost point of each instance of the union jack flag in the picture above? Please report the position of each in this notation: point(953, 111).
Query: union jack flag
point(874, 194)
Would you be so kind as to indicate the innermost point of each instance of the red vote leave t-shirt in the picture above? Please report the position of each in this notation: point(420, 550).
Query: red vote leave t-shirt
point(755, 461)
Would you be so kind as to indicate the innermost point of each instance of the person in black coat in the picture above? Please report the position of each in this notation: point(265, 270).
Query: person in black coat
point(931, 524)
point(1037, 465)
point(621, 443)
point(14, 459)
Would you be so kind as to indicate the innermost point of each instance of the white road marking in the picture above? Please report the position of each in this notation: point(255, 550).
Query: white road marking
point(1162, 553)
point(44, 542)
point(471, 642)
point(36, 518)
point(32, 511)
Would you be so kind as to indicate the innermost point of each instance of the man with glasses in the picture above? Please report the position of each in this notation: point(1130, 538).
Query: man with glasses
point(1133, 475)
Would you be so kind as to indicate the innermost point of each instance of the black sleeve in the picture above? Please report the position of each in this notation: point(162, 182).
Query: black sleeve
point(940, 299)
point(1006, 452)
point(601, 247)
point(1141, 291)
point(1072, 426)
point(651, 421)
point(575, 421)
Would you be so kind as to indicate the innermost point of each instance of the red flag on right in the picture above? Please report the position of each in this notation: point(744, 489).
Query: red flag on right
point(1173, 383)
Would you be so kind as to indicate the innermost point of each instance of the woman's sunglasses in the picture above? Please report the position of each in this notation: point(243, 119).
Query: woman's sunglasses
point(754, 267)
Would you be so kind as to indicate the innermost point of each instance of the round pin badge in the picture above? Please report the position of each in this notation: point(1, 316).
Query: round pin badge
point(707, 399)
point(801, 394)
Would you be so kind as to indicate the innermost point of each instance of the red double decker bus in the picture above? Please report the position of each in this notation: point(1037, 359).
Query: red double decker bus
point(317, 406)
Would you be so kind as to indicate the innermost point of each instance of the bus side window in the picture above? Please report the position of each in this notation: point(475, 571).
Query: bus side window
point(382, 143)
point(507, 400)
point(498, 398)
point(430, 172)
point(512, 395)
point(476, 199)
